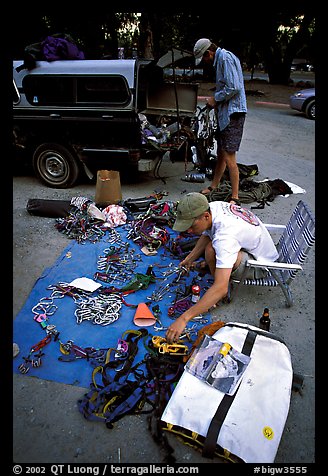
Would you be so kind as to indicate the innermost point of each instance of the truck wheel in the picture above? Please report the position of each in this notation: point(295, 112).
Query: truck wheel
point(55, 166)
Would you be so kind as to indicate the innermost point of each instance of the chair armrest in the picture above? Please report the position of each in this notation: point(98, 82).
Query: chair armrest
point(273, 265)
point(271, 227)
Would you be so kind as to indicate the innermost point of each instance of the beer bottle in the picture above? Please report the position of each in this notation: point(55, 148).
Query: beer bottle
point(265, 320)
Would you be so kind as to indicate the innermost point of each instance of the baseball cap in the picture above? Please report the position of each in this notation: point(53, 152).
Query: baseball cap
point(190, 207)
point(200, 47)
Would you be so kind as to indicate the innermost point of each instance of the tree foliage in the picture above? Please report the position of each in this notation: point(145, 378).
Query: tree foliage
point(273, 39)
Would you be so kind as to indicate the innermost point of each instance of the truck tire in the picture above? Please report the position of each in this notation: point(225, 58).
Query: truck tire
point(55, 166)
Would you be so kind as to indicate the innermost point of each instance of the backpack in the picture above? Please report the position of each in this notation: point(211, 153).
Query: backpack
point(248, 424)
point(60, 48)
point(55, 47)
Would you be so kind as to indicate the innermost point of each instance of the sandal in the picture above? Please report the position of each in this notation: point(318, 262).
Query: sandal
point(210, 189)
point(236, 201)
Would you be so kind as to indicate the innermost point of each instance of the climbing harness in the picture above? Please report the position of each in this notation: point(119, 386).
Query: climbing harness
point(116, 395)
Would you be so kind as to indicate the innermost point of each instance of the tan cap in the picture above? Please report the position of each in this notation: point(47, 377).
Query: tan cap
point(190, 207)
point(200, 47)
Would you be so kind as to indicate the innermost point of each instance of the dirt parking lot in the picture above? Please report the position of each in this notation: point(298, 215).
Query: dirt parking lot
point(47, 427)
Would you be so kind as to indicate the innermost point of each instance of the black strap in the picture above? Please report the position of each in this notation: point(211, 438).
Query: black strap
point(249, 342)
point(226, 402)
point(259, 332)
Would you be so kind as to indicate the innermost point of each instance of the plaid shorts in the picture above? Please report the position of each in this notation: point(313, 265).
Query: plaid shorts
point(230, 138)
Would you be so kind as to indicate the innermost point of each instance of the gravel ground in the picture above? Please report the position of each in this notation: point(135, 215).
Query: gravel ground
point(47, 427)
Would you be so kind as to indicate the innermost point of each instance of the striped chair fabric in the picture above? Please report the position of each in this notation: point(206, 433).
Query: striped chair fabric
point(293, 248)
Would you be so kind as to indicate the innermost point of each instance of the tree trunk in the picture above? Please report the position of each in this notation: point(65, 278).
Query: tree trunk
point(279, 64)
point(146, 45)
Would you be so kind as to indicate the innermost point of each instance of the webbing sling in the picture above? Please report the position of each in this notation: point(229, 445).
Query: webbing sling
point(210, 442)
point(135, 399)
point(164, 372)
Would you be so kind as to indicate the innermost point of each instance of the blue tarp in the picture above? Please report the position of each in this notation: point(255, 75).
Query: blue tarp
point(80, 260)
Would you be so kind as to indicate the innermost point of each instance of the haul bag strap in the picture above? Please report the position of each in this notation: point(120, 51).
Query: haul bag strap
point(259, 332)
point(226, 402)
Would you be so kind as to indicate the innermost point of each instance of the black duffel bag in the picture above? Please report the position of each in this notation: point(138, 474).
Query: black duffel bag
point(48, 208)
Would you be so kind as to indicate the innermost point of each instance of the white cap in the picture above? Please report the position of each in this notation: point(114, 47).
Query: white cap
point(200, 47)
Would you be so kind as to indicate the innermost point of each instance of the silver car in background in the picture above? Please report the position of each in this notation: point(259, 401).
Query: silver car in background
point(304, 101)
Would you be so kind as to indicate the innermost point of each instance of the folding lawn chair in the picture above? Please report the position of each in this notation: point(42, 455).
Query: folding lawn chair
point(293, 247)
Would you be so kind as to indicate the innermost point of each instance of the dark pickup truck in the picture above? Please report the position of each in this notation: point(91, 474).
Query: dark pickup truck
point(79, 116)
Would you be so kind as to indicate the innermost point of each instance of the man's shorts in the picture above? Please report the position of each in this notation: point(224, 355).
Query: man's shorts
point(230, 138)
point(251, 273)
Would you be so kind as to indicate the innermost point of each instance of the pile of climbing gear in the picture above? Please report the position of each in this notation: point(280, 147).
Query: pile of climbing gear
point(117, 264)
point(80, 226)
point(147, 233)
point(86, 222)
point(122, 383)
point(121, 386)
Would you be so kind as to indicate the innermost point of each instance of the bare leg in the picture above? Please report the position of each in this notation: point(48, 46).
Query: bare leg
point(230, 158)
point(210, 257)
point(218, 172)
point(226, 159)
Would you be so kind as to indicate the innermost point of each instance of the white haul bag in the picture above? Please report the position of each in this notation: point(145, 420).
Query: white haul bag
point(248, 424)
